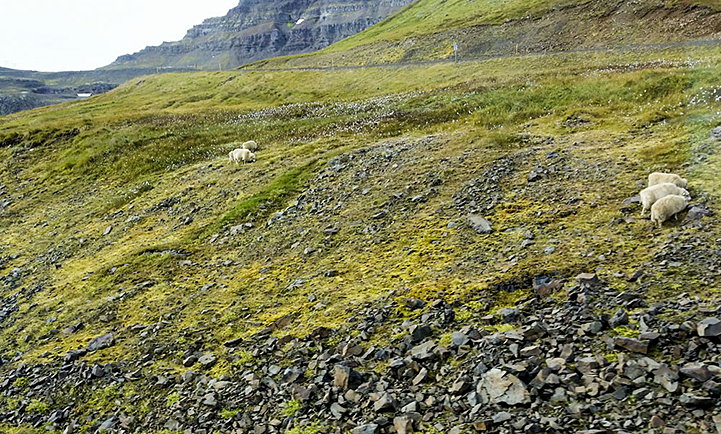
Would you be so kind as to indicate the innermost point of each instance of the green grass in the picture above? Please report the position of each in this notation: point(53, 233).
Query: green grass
point(613, 120)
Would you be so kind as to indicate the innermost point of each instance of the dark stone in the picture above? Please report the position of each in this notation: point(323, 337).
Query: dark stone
point(633, 345)
point(233, 342)
point(345, 377)
point(418, 333)
point(709, 327)
point(697, 371)
point(414, 303)
point(74, 355)
point(620, 318)
point(508, 315)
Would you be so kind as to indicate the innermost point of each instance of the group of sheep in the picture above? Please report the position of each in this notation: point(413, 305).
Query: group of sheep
point(244, 153)
point(665, 196)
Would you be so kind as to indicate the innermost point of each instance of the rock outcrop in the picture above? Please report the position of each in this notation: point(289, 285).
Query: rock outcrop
point(259, 29)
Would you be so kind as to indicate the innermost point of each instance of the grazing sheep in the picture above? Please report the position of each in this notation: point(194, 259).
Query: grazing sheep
point(651, 194)
point(241, 154)
point(250, 145)
point(657, 178)
point(666, 207)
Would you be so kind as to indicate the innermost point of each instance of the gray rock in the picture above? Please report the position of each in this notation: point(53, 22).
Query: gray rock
point(98, 371)
point(107, 230)
point(102, 341)
point(345, 377)
point(458, 339)
point(208, 360)
point(697, 371)
point(403, 424)
point(108, 424)
point(592, 328)
point(384, 403)
point(337, 410)
point(418, 333)
point(498, 386)
point(709, 327)
point(632, 199)
point(696, 400)
point(619, 318)
point(508, 314)
point(698, 212)
point(537, 174)
point(716, 133)
point(479, 224)
point(502, 416)
point(424, 351)
point(370, 428)
point(210, 400)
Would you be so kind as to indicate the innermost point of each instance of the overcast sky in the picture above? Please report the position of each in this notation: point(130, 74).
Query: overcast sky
point(63, 35)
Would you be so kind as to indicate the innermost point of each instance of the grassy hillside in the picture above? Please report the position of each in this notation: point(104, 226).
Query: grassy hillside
point(120, 214)
point(427, 29)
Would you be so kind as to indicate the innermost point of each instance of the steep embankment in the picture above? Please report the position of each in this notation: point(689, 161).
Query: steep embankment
point(259, 29)
point(344, 281)
point(427, 29)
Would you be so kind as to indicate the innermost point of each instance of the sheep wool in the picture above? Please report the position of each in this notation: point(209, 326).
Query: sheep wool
point(651, 194)
point(666, 207)
point(243, 155)
point(250, 145)
point(657, 178)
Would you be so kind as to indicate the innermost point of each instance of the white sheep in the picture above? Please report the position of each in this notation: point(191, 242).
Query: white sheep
point(651, 194)
point(250, 145)
point(657, 178)
point(241, 154)
point(666, 207)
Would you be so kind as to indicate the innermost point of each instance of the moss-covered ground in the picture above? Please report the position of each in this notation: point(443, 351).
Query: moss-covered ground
point(116, 210)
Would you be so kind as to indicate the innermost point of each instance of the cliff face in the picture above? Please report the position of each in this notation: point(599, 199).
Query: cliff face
point(259, 29)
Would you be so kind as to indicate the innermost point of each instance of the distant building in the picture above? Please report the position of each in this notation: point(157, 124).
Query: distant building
point(85, 95)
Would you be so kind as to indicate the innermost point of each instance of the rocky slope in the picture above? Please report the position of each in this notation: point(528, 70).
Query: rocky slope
point(259, 29)
point(446, 248)
point(427, 29)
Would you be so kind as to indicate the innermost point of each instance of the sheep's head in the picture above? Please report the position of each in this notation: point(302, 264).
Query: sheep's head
point(686, 195)
point(684, 182)
point(252, 156)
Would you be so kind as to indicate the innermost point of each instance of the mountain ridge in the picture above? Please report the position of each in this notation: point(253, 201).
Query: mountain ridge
point(257, 29)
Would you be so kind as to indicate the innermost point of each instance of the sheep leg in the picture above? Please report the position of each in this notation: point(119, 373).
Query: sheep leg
point(643, 211)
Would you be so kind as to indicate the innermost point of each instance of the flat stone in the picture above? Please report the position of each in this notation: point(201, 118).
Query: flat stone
point(697, 371)
point(403, 424)
point(384, 403)
point(633, 345)
point(502, 416)
point(587, 278)
point(370, 428)
point(424, 351)
point(458, 339)
point(709, 327)
point(102, 341)
point(208, 360)
point(479, 224)
point(656, 422)
point(498, 386)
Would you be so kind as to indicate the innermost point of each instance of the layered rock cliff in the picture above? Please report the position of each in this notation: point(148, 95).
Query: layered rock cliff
point(259, 29)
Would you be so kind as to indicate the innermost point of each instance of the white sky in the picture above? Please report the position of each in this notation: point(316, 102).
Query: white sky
point(63, 35)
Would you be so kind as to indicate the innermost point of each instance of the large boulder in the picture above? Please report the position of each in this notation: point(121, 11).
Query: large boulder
point(499, 386)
